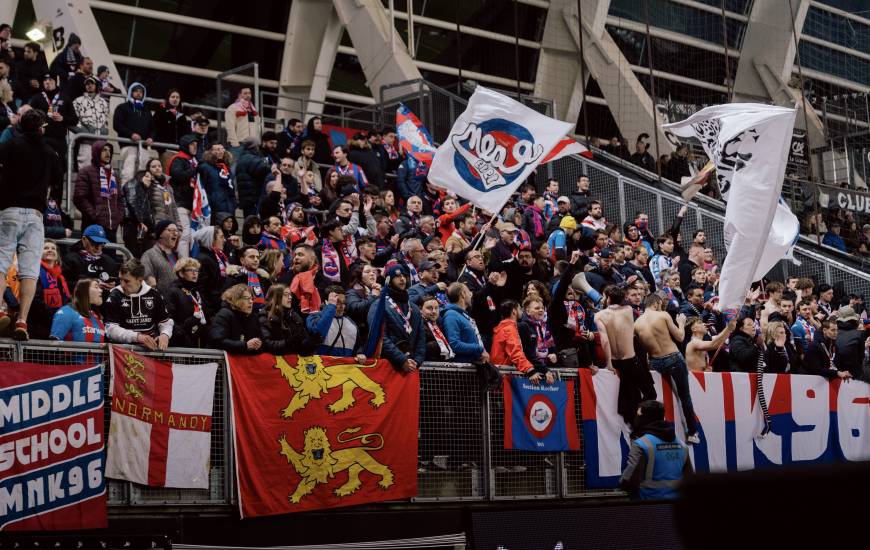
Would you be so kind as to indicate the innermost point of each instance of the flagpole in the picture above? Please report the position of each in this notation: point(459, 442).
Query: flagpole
point(479, 240)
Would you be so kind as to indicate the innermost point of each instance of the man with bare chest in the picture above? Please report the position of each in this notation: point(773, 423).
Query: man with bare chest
point(656, 331)
point(616, 329)
point(698, 349)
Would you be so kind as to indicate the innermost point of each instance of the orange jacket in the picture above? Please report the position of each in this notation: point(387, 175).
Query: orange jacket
point(507, 349)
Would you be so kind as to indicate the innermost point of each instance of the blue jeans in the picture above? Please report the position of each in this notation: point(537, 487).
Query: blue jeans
point(674, 367)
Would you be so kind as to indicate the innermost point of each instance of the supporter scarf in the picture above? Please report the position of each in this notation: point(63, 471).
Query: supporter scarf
point(537, 219)
point(331, 266)
point(298, 235)
point(222, 261)
point(392, 154)
point(225, 173)
point(90, 258)
point(576, 318)
point(406, 317)
point(195, 299)
point(108, 183)
point(304, 290)
point(244, 108)
point(415, 277)
point(522, 241)
point(256, 289)
point(52, 103)
point(54, 290)
point(809, 329)
point(545, 339)
point(443, 344)
point(830, 353)
point(550, 205)
point(53, 214)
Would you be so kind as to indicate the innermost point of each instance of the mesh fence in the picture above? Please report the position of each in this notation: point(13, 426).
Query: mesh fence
point(461, 437)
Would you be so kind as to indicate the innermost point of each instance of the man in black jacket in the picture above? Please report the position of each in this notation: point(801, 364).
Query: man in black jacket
point(61, 116)
point(580, 199)
point(850, 342)
point(821, 354)
point(29, 165)
point(361, 154)
point(132, 120)
point(29, 72)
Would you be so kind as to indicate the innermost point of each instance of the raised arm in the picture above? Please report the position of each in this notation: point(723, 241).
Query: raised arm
point(678, 330)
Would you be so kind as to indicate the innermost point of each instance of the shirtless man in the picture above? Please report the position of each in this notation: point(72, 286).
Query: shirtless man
point(698, 348)
point(656, 331)
point(616, 329)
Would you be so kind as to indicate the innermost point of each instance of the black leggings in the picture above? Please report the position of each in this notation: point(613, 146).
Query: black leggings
point(635, 385)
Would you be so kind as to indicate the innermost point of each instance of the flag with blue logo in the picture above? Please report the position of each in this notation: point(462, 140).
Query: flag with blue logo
point(492, 148)
point(539, 417)
point(414, 138)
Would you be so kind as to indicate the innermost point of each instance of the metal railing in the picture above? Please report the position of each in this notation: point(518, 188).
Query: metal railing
point(71, 157)
point(460, 436)
point(621, 196)
point(339, 114)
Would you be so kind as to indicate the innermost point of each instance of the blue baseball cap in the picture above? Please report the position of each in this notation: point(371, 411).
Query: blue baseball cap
point(96, 234)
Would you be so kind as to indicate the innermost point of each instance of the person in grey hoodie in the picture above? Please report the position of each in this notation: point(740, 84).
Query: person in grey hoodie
point(132, 120)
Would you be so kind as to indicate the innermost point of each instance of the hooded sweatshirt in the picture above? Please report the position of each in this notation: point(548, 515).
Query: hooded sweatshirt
point(128, 316)
point(133, 117)
point(182, 173)
point(507, 348)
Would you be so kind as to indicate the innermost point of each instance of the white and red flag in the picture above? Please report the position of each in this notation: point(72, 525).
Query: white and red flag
point(566, 146)
point(160, 432)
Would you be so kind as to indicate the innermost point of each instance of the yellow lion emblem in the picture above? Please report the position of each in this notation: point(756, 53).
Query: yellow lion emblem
point(318, 463)
point(310, 379)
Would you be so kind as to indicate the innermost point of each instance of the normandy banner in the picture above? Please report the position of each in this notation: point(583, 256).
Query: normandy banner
point(51, 447)
point(812, 421)
point(320, 432)
point(161, 421)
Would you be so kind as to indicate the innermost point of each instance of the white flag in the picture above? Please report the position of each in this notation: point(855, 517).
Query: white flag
point(749, 145)
point(493, 147)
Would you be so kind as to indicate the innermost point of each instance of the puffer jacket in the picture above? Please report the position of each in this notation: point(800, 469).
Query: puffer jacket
point(182, 173)
point(219, 187)
point(96, 209)
point(163, 205)
point(230, 331)
point(251, 171)
point(287, 334)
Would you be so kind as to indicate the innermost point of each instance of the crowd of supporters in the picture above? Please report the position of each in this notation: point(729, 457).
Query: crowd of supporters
point(324, 231)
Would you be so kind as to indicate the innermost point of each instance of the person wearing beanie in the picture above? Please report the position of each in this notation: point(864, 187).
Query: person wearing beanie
point(241, 120)
point(160, 259)
point(404, 340)
point(64, 64)
point(558, 240)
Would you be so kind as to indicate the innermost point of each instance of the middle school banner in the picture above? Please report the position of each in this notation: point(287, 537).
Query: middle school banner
point(320, 432)
point(813, 420)
point(539, 417)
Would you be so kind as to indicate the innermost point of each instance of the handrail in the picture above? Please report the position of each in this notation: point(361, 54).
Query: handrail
point(115, 247)
point(71, 158)
point(814, 254)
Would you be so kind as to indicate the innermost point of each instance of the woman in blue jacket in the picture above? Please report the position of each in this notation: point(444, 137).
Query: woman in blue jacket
point(218, 179)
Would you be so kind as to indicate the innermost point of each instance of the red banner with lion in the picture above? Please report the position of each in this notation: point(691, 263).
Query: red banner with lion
point(321, 432)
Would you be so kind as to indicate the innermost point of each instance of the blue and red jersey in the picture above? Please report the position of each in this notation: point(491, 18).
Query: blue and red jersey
point(69, 325)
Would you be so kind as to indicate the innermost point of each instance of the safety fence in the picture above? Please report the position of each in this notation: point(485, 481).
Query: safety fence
point(461, 450)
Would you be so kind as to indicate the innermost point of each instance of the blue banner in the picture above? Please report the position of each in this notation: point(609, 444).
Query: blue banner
point(539, 417)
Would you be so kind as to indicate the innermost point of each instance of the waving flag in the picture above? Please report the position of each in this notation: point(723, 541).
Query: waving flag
point(690, 185)
point(414, 138)
point(493, 147)
point(539, 417)
point(201, 213)
point(749, 144)
point(565, 147)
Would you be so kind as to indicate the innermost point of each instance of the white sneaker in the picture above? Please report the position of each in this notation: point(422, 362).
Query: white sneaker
point(693, 439)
